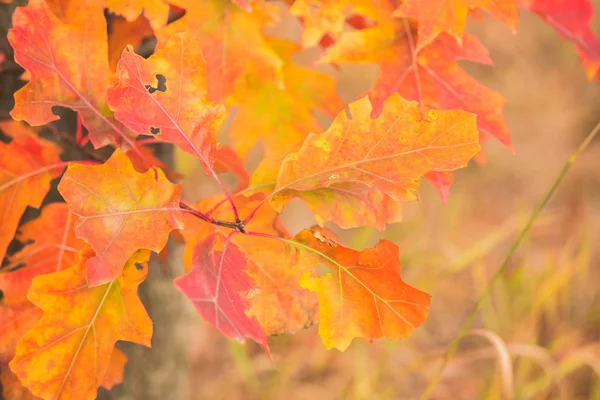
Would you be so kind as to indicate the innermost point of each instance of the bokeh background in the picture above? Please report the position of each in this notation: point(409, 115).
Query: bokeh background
point(543, 315)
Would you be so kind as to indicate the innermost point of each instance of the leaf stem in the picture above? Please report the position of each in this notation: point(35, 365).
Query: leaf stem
point(453, 347)
point(237, 226)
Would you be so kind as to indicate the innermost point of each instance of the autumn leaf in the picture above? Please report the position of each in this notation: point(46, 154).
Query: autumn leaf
point(352, 173)
point(165, 96)
point(69, 68)
point(572, 20)
point(27, 165)
point(438, 16)
point(216, 286)
point(231, 39)
point(50, 246)
point(120, 211)
point(429, 75)
point(156, 11)
point(282, 117)
point(364, 295)
point(123, 33)
point(274, 297)
point(67, 354)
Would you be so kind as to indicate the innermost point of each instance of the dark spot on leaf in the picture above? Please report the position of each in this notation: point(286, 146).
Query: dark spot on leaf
point(139, 266)
point(4, 138)
point(1, 295)
point(154, 131)
point(161, 85)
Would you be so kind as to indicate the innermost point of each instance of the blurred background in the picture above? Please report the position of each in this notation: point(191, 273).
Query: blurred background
point(543, 315)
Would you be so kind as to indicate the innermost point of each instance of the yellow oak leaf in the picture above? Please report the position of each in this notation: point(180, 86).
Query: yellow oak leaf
point(281, 117)
point(354, 172)
point(67, 353)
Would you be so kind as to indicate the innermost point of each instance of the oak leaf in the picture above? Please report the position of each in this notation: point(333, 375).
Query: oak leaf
point(165, 96)
point(364, 295)
point(275, 297)
point(572, 20)
point(438, 16)
point(352, 173)
point(50, 246)
point(217, 285)
point(27, 165)
point(231, 39)
point(429, 74)
point(281, 117)
point(120, 211)
point(67, 353)
point(68, 63)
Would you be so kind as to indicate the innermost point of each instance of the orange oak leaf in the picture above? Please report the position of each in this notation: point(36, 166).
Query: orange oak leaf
point(165, 96)
point(69, 67)
point(156, 11)
point(429, 74)
point(275, 299)
point(572, 20)
point(27, 165)
point(115, 371)
point(216, 285)
point(437, 16)
point(50, 246)
point(325, 19)
point(360, 160)
point(231, 39)
point(67, 354)
point(122, 33)
point(282, 117)
point(120, 211)
point(364, 295)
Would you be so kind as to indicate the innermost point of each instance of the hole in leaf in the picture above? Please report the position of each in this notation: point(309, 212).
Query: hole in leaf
point(154, 131)
point(1, 295)
point(161, 85)
point(139, 266)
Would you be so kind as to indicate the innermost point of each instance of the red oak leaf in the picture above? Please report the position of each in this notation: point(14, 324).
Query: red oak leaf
point(429, 74)
point(217, 286)
point(165, 96)
point(68, 62)
point(572, 20)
